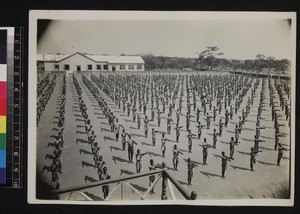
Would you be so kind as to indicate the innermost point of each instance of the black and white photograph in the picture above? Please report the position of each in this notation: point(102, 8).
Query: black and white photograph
point(194, 108)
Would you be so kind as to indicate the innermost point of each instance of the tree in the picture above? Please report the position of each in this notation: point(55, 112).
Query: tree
point(208, 56)
point(249, 65)
point(282, 65)
point(270, 63)
point(260, 62)
point(235, 64)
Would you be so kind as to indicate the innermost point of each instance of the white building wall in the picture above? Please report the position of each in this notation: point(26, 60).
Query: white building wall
point(118, 67)
point(49, 66)
point(83, 61)
point(75, 60)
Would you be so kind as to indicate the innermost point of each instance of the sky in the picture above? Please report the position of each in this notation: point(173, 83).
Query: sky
point(237, 39)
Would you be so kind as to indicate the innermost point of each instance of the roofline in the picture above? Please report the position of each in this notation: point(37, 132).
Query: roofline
point(75, 54)
point(58, 61)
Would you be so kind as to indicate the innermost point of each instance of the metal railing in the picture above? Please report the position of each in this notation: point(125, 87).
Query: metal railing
point(167, 180)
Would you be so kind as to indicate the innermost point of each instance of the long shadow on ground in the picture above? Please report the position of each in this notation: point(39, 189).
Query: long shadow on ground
point(84, 163)
point(115, 148)
point(243, 153)
point(85, 152)
point(224, 142)
point(77, 115)
point(138, 187)
point(80, 132)
point(217, 156)
point(195, 162)
point(123, 171)
point(154, 154)
point(109, 138)
point(146, 144)
point(104, 123)
point(138, 135)
point(240, 168)
point(116, 158)
point(132, 127)
point(265, 148)
point(266, 163)
point(89, 179)
point(182, 182)
point(210, 175)
point(104, 129)
point(246, 139)
point(82, 141)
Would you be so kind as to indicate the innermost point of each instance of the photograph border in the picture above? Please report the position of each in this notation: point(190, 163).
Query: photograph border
point(34, 15)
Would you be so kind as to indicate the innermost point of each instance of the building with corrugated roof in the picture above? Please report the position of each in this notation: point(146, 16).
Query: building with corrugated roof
point(89, 62)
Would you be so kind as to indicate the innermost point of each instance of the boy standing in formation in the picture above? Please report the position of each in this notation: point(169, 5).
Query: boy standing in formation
point(190, 167)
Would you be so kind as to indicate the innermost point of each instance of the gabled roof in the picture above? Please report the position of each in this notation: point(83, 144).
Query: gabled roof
point(95, 58)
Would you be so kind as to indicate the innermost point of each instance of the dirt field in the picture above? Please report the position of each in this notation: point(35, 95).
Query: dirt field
point(267, 181)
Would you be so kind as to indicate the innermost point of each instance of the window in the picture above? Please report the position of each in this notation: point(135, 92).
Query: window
point(122, 67)
point(105, 67)
point(98, 67)
point(67, 67)
point(139, 67)
point(90, 67)
point(130, 67)
point(56, 67)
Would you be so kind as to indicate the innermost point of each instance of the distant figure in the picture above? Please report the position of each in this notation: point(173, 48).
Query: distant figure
point(105, 176)
point(163, 144)
point(208, 117)
point(199, 126)
point(139, 156)
point(151, 177)
point(130, 147)
point(280, 153)
point(221, 127)
point(231, 147)
point(153, 136)
point(176, 153)
point(139, 122)
point(253, 154)
point(215, 134)
point(55, 180)
point(224, 163)
point(190, 167)
point(146, 121)
point(205, 146)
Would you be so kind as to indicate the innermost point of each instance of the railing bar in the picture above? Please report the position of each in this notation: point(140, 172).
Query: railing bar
point(114, 189)
point(152, 185)
point(178, 186)
point(122, 191)
point(104, 182)
point(85, 196)
point(171, 190)
point(69, 195)
point(135, 190)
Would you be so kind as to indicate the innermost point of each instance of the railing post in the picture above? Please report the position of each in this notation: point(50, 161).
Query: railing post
point(164, 183)
point(122, 191)
point(193, 195)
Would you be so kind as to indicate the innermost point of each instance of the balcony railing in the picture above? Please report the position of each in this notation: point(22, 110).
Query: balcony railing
point(163, 174)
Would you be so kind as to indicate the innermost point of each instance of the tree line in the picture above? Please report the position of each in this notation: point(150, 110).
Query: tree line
point(211, 59)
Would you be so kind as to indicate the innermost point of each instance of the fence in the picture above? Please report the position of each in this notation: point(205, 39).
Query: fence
point(163, 174)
